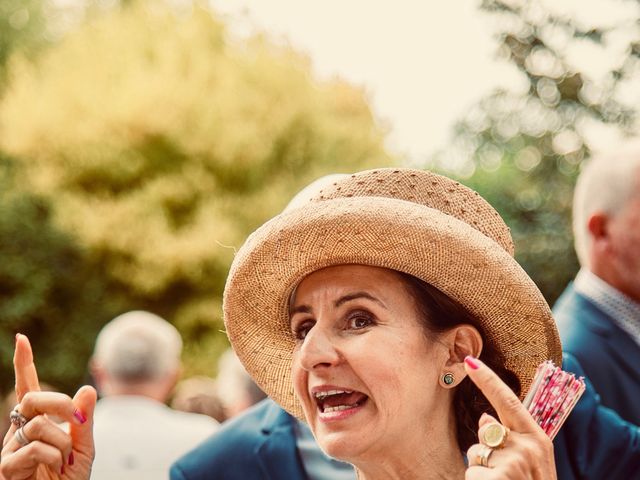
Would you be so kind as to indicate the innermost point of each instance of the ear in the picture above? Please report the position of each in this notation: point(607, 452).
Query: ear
point(100, 376)
point(600, 247)
point(597, 225)
point(171, 380)
point(461, 341)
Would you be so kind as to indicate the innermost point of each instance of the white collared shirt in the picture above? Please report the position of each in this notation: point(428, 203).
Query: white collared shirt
point(624, 311)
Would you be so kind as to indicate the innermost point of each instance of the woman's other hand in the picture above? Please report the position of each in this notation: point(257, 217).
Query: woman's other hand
point(526, 453)
point(51, 453)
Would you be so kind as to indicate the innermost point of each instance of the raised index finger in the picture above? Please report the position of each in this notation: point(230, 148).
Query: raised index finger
point(508, 406)
point(25, 369)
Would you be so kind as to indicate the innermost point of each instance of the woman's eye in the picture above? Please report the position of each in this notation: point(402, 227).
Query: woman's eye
point(301, 330)
point(360, 321)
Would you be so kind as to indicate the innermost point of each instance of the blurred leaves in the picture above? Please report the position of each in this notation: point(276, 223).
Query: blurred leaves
point(157, 144)
point(22, 28)
point(48, 286)
point(522, 149)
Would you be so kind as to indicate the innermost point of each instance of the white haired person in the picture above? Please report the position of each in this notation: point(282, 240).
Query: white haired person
point(389, 313)
point(598, 315)
point(136, 364)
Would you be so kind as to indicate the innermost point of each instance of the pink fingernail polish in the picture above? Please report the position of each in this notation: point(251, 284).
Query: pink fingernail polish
point(469, 360)
point(79, 416)
point(70, 462)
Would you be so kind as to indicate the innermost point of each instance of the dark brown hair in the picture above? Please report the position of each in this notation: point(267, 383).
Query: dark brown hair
point(440, 313)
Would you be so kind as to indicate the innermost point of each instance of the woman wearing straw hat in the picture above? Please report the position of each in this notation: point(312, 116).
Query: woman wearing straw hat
point(389, 313)
point(364, 310)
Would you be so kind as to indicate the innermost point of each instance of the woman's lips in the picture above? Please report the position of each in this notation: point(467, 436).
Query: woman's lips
point(338, 403)
point(341, 412)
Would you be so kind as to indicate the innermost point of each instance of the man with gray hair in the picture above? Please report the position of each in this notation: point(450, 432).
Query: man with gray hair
point(598, 315)
point(136, 363)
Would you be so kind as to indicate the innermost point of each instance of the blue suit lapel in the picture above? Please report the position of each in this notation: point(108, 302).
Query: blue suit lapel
point(619, 343)
point(277, 453)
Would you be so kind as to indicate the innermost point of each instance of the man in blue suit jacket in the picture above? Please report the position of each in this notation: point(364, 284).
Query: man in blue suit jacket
point(261, 444)
point(598, 315)
point(595, 443)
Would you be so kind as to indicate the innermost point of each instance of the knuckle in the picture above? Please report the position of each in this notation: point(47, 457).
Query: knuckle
point(512, 469)
point(471, 456)
point(31, 451)
point(27, 400)
point(511, 404)
point(546, 443)
point(37, 453)
point(67, 443)
point(542, 447)
point(472, 452)
point(33, 429)
point(495, 388)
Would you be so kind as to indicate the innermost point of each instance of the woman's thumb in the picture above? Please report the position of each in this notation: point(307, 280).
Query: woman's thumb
point(82, 431)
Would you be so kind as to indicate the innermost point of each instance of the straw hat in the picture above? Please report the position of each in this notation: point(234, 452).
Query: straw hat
point(413, 221)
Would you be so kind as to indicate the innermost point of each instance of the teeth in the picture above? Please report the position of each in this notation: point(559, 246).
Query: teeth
point(323, 395)
point(338, 408)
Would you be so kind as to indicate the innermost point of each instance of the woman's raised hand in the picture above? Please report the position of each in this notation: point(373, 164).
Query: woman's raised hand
point(41, 450)
point(526, 452)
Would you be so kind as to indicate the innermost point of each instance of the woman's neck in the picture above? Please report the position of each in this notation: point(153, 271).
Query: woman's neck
point(428, 468)
point(437, 457)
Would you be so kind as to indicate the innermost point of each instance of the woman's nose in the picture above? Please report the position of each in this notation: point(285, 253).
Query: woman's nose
point(318, 350)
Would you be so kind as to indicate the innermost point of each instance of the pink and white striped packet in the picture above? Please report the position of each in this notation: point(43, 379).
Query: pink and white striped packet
point(552, 396)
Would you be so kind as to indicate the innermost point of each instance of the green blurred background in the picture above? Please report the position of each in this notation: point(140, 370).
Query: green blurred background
point(139, 147)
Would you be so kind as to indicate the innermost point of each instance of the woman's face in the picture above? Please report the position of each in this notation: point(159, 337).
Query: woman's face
point(363, 369)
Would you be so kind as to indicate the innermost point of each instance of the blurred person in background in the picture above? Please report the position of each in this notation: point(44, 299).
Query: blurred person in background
point(136, 364)
point(236, 389)
point(598, 314)
point(198, 395)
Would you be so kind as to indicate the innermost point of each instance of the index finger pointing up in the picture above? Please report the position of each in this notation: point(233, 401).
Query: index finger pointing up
point(25, 369)
point(508, 406)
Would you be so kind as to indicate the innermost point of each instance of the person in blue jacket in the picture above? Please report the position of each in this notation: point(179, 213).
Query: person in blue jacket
point(598, 314)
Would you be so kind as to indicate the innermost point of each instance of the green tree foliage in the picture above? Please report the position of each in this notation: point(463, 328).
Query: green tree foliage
point(22, 28)
point(526, 146)
point(160, 144)
point(47, 286)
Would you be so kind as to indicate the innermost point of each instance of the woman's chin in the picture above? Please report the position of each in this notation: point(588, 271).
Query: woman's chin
point(343, 449)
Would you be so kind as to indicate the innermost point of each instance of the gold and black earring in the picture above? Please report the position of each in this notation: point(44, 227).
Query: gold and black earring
point(448, 378)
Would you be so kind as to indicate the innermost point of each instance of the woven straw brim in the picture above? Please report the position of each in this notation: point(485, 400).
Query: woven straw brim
point(384, 232)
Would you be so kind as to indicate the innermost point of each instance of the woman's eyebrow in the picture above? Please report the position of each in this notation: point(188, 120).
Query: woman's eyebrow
point(300, 309)
point(353, 296)
point(341, 301)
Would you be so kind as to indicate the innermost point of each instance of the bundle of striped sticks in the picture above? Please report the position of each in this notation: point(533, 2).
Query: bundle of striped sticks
point(552, 396)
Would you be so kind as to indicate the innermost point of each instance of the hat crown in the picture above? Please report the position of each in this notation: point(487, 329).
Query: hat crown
point(425, 188)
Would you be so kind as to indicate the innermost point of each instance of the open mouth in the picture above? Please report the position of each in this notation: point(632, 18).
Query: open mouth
point(338, 400)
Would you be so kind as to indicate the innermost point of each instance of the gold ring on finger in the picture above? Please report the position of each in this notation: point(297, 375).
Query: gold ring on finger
point(482, 458)
point(494, 435)
point(21, 437)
